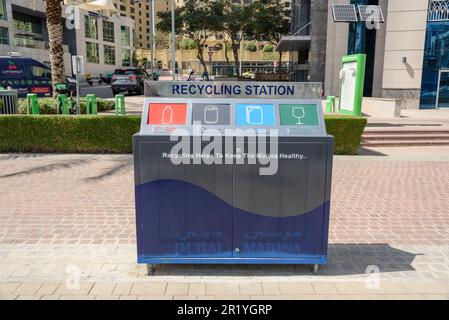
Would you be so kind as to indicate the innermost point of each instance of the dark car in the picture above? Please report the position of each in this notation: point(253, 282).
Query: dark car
point(128, 79)
point(25, 75)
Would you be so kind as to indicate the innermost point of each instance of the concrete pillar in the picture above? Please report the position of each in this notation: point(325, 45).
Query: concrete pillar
point(318, 17)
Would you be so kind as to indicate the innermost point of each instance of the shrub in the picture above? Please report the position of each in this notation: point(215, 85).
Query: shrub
point(252, 47)
point(187, 44)
point(48, 105)
point(347, 131)
point(113, 134)
point(268, 48)
point(68, 134)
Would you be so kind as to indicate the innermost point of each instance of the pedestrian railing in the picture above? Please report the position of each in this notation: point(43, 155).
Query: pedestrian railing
point(8, 101)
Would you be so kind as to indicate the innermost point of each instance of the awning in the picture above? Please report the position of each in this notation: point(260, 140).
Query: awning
point(293, 43)
point(107, 5)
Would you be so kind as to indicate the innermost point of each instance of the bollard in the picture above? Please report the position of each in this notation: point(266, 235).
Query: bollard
point(330, 104)
point(91, 104)
point(32, 103)
point(120, 100)
point(61, 103)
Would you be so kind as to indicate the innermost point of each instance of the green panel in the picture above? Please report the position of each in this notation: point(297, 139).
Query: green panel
point(299, 115)
point(360, 60)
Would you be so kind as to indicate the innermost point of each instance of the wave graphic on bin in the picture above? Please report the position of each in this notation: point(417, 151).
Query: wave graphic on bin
point(204, 225)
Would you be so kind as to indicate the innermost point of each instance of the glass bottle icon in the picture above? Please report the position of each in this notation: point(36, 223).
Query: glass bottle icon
point(254, 115)
point(167, 115)
point(298, 113)
point(210, 115)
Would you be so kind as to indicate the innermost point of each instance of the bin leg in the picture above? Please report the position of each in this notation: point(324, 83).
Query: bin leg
point(316, 269)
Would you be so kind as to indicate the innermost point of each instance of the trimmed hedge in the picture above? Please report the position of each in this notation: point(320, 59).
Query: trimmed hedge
point(113, 134)
point(347, 131)
point(68, 134)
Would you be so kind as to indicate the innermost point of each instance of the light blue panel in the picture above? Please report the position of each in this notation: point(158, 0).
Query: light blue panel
point(255, 114)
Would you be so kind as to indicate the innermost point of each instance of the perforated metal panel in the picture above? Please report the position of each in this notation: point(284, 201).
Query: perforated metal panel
point(221, 213)
point(288, 188)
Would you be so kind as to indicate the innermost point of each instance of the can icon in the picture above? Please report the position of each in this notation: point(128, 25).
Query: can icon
point(211, 115)
point(167, 115)
point(254, 115)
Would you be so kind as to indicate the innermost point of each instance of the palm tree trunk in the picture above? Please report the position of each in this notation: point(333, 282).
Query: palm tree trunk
point(55, 36)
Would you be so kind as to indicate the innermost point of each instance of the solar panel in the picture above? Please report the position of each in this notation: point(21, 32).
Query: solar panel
point(371, 13)
point(344, 13)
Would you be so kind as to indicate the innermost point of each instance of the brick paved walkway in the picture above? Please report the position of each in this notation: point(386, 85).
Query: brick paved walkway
point(61, 215)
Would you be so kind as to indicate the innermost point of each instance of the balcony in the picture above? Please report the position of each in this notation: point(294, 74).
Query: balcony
point(31, 40)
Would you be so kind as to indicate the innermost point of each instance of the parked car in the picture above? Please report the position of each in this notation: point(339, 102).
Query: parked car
point(25, 75)
point(128, 79)
point(106, 78)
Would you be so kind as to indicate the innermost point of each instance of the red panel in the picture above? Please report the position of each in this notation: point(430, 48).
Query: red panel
point(167, 113)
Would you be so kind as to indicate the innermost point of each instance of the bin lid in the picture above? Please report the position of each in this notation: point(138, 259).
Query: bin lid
point(236, 117)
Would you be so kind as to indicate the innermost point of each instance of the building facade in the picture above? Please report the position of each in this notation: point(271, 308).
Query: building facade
point(407, 56)
point(307, 42)
point(105, 42)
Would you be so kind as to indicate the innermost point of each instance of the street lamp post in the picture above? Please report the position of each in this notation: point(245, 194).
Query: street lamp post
point(152, 33)
point(173, 40)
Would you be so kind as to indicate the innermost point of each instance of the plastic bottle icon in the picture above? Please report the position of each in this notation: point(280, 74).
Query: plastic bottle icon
point(210, 115)
point(167, 115)
point(254, 115)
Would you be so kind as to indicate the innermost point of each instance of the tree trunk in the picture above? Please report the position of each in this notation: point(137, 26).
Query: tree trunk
point(235, 51)
point(200, 57)
point(280, 65)
point(228, 63)
point(55, 38)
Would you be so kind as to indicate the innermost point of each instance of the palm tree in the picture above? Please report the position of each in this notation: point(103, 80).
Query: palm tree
point(53, 10)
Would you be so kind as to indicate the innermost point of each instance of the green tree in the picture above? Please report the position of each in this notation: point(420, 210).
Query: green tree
point(196, 20)
point(235, 24)
point(271, 20)
point(161, 40)
point(187, 44)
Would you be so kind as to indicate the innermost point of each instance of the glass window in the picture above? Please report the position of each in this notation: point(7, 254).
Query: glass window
point(38, 71)
point(109, 55)
point(436, 58)
point(126, 57)
point(91, 26)
point(26, 22)
point(92, 52)
point(4, 37)
point(125, 36)
point(108, 31)
point(2, 10)
point(125, 71)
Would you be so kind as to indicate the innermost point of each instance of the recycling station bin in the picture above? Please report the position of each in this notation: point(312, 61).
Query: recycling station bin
point(232, 181)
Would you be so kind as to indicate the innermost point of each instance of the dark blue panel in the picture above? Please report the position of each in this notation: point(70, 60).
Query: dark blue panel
point(177, 220)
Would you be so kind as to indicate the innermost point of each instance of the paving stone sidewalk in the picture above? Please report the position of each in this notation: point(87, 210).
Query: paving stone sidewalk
point(65, 218)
